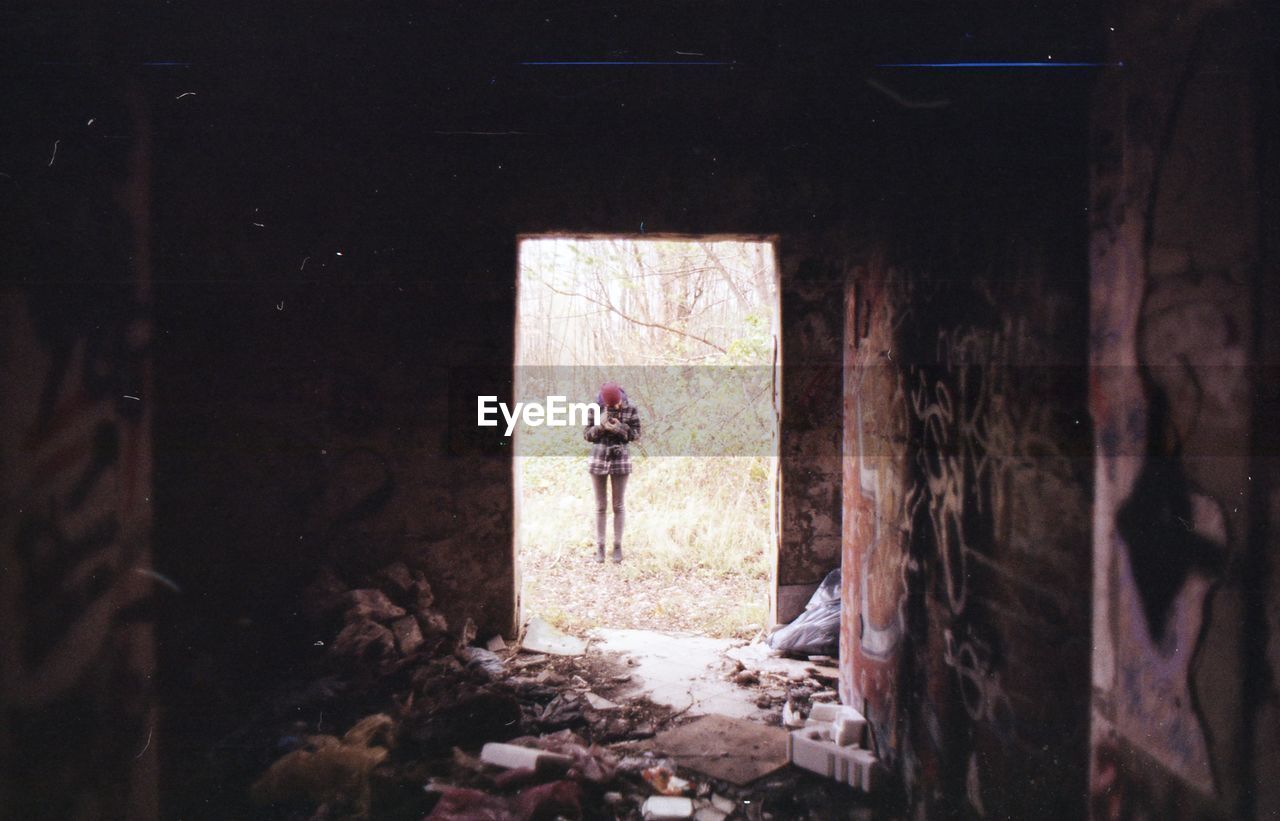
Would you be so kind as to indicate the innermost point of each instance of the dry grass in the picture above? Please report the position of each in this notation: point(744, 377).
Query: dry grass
point(695, 545)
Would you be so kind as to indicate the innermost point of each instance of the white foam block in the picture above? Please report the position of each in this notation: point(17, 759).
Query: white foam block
point(848, 727)
point(813, 749)
point(863, 763)
point(825, 713)
point(514, 757)
point(661, 807)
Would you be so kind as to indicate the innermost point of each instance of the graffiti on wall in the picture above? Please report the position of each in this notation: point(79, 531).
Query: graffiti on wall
point(1171, 398)
point(948, 448)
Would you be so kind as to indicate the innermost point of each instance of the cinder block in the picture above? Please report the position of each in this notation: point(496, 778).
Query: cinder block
point(863, 766)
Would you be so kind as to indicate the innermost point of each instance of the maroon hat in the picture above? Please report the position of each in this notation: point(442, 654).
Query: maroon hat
point(611, 392)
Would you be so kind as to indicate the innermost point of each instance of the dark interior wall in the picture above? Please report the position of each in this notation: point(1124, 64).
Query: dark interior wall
point(967, 471)
point(1184, 718)
point(337, 205)
point(77, 592)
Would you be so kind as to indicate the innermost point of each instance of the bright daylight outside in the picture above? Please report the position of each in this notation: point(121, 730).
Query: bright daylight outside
point(687, 329)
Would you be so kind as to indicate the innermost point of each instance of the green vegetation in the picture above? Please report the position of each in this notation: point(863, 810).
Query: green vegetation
point(688, 329)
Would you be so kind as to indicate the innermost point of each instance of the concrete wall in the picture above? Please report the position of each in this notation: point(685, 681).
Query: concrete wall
point(1184, 716)
point(967, 486)
point(77, 697)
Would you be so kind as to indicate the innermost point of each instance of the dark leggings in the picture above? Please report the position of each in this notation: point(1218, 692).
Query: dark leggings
point(619, 506)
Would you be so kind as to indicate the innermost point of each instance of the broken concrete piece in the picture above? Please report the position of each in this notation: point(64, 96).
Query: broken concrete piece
point(709, 813)
point(495, 644)
point(395, 580)
point(371, 603)
point(600, 702)
point(725, 805)
point(541, 637)
point(364, 641)
point(825, 673)
point(728, 749)
point(432, 623)
point(421, 596)
point(659, 807)
point(408, 634)
point(513, 757)
point(761, 658)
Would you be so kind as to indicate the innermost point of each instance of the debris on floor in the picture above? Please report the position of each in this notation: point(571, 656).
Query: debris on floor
point(541, 637)
point(817, 629)
point(423, 723)
point(831, 744)
point(729, 749)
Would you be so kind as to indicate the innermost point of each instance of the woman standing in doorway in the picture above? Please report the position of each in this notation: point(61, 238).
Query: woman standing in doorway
point(611, 459)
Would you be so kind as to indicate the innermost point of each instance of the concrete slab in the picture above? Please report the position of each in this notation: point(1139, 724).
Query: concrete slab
point(730, 749)
point(681, 670)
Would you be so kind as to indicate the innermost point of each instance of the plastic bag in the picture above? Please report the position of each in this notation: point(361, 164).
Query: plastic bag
point(816, 631)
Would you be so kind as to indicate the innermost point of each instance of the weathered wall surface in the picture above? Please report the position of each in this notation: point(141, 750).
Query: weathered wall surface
point(1183, 571)
point(809, 446)
point(77, 699)
point(967, 491)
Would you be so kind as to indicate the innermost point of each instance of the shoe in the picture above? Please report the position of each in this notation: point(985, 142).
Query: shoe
point(617, 554)
point(600, 554)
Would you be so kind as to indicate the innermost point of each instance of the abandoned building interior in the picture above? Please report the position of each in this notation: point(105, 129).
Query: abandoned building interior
point(259, 265)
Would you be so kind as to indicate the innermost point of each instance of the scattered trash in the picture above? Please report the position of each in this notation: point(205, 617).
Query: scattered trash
point(478, 658)
point(817, 629)
point(327, 768)
point(541, 637)
point(665, 781)
point(512, 757)
point(542, 730)
point(791, 717)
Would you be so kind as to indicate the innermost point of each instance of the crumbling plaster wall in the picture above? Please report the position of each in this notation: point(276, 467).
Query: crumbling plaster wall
point(967, 477)
point(1184, 699)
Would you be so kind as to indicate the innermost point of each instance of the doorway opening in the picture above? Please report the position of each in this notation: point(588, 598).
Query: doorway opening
point(689, 327)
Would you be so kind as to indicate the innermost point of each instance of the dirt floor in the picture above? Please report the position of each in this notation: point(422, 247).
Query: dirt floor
point(576, 594)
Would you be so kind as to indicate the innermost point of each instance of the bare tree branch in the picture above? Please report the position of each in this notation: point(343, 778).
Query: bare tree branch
point(659, 325)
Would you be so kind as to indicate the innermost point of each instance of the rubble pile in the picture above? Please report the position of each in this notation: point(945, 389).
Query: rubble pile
point(422, 723)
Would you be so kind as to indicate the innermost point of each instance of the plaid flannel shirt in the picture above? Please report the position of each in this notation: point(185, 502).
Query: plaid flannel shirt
point(609, 451)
